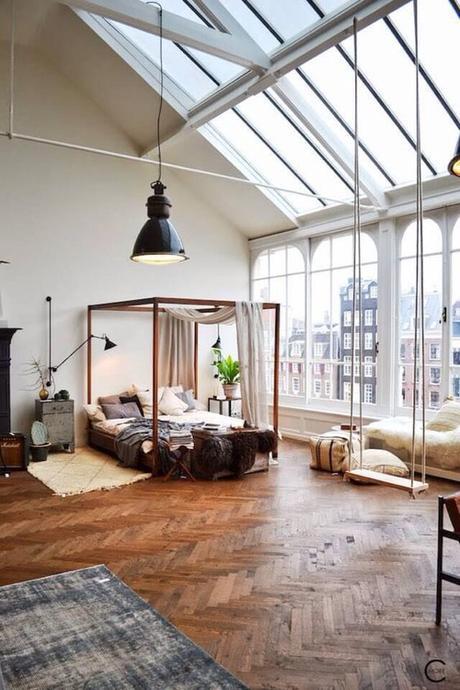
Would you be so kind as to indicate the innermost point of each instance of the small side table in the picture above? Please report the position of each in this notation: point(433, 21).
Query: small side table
point(221, 402)
point(179, 455)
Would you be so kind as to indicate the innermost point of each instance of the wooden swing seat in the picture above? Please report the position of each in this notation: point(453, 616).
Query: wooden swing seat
point(401, 483)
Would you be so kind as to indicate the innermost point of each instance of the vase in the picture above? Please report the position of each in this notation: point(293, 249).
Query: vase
point(43, 394)
point(232, 391)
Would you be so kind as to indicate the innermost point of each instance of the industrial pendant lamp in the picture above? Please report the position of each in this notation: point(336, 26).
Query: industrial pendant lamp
point(158, 242)
point(454, 165)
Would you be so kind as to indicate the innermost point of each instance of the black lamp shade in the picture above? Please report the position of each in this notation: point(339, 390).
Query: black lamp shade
point(217, 345)
point(158, 242)
point(108, 344)
point(454, 165)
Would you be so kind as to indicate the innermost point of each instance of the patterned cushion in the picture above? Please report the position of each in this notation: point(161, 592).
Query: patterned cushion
point(447, 418)
point(383, 461)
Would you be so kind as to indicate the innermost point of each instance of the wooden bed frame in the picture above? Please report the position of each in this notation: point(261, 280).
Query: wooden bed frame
point(153, 306)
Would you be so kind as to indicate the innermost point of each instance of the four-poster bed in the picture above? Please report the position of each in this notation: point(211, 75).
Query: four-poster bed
point(160, 305)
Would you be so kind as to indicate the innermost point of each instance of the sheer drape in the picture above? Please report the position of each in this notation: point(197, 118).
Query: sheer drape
point(176, 353)
point(250, 336)
point(251, 354)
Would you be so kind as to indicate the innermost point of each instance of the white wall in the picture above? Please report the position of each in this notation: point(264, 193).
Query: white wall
point(67, 224)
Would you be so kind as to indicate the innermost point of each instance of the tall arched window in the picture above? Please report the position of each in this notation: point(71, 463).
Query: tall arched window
point(432, 249)
point(279, 276)
point(454, 363)
point(331, 318)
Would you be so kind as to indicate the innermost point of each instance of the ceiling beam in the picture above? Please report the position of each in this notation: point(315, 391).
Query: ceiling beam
point(320, 36)
point(179, 29)
point(335, 147)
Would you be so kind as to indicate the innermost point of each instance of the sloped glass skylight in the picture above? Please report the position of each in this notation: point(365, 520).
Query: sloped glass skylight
point(265, 133)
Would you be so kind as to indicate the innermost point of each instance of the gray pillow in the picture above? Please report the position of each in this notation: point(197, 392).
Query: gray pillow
point(121, 411)
point(109, 400)
point(187, 397)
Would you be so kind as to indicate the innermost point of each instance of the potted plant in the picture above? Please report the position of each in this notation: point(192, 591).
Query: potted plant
point(40, 442)
point(229, 374)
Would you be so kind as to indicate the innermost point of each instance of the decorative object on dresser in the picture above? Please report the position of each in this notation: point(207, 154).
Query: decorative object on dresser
point(14, 452)
point(6, 335)
point(59, 419)
point(40, 383)
point(52, 369)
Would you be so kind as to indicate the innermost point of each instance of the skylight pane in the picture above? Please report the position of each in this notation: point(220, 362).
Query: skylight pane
point(439, 39)
point(292, 146)
point(334, 77)
point(437, 129)
point(177, 66)
point(328, 119)
point(259, 157)
point(287, 23)
point(251, 24)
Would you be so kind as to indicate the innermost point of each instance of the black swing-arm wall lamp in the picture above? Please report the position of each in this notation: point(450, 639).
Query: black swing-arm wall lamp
point(52, 369)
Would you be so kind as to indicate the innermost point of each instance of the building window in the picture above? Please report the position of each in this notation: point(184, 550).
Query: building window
point(434, 399)
point(456, 356)
point(347, 391)
point(317, 368)
point(295, 385)
point(368, 368)
point(368, 393)
point(327, 388)
point(435, 351)
point(317, 387)
point(278, 275)
point(347, 318)
point(435, 375)
point(319, 349)
point(368, 317)
point(368, 341)
point(347, 341)
point(347, 365)
point(373, 292)
point(402, 351)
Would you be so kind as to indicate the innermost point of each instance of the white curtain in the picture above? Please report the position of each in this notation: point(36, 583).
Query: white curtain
point(250, 335)
point(251, 353)
point(223, 315)
point(176, 361)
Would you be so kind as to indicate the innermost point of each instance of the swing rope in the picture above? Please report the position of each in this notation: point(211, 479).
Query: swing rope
point(419, 305)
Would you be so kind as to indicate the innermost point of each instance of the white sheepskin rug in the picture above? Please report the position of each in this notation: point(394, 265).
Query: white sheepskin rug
point(442, 447)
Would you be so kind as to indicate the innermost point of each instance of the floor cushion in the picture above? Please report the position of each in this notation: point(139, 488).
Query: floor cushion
point(378, 460)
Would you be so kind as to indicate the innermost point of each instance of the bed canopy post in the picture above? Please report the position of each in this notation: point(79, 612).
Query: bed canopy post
point(155, 356)
point(276, 374)
point(195, 357)
point(88, 357)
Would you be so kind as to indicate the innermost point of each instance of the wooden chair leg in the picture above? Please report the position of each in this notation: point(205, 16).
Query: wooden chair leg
point(439, 560)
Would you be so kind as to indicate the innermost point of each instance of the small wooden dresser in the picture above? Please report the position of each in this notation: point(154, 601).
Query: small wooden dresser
point(58, 416)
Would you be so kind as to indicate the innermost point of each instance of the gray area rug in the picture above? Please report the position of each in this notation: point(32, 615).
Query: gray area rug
point(86, 629)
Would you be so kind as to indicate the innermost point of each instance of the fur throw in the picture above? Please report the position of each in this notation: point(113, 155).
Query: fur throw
point(266, 440)
point(245, 446)
point(215, 456)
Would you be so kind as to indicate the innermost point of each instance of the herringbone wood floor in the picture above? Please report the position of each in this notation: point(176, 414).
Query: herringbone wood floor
point(291, 579)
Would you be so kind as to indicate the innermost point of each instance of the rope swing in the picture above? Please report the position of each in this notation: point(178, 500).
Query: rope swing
point(357, 469)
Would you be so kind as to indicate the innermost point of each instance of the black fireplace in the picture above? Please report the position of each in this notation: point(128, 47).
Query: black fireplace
point(6, 335)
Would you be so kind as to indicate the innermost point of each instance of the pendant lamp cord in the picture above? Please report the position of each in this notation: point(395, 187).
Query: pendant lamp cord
point(160, 108)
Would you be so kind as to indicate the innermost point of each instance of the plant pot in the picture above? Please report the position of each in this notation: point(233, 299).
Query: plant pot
point(39, 453)
point(232, 390)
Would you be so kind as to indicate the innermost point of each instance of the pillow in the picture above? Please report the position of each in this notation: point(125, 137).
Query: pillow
point(170, 404)
point(132, 399)
point(447, 418)
point(382, 461)
point(187, 397)
point(121, 411)
point(145, 398)
point(95, 413)
point(109, 400)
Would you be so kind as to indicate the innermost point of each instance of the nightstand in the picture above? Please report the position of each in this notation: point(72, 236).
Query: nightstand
point(58, 417)
point(221, 402)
